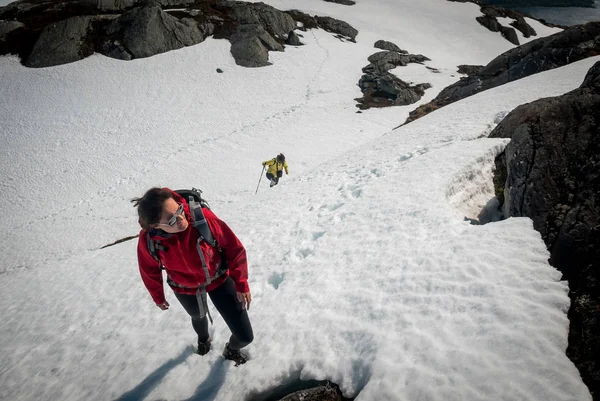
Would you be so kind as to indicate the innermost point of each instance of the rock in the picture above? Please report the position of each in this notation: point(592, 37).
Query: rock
point(385, 45)
point(148, 31)
point(320, 393)
point(250, 46)
point(327, 23)
point(509, 34)
point(123, 5)
point(490, 23)
point(344, 2)
point(388, 90)
point(550, 172)
point(277, 23)
point(381, 88)
point(543, 3)
point(562, 48)
point(304, 19)
point(60, 43)
point(293, 39)
point(469, 69)
point(387, 60)
point(7, 27)
point(489, 20)
point(337, 26)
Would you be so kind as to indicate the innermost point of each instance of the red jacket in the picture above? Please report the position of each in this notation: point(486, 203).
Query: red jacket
point(182, 262)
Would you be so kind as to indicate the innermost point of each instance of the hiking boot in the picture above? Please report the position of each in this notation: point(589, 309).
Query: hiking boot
point(203, 348)
point(273, 183)
point(238, 357)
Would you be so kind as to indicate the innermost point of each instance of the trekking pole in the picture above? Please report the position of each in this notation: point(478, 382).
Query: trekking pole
point(261, 174)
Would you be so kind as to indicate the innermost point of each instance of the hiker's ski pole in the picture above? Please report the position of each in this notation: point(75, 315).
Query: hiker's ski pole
point(261, 174)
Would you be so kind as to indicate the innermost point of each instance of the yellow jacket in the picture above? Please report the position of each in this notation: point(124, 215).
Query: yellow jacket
point(275, 166)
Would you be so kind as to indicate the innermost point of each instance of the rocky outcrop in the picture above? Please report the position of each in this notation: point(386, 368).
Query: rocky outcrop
point(490, 16)
point(250, 46)
point(61, 43)
point(380, 87)
point(51, 32)
point(277, 23)
point(469, 69)
point(147, 31)
point(490, 21)
point(541, 3)
point(385, 45)
point(572, 44)
point(293, 39)
point(342, 29)
point(344, 2)
point(336, 26)
point(550, 172)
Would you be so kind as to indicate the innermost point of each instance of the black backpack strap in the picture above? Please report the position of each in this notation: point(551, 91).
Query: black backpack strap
point(153, 247)
point(200, 222)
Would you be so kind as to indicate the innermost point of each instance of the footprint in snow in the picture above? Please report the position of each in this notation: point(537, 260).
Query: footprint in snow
point(276, 279)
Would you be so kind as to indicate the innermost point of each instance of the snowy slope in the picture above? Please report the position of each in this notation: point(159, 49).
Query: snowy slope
point(362, 268)
point(103, 130)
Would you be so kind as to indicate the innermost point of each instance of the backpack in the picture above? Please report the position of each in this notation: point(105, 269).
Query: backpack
point(196, 203)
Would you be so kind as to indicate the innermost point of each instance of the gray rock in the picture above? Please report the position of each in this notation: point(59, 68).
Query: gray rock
point(510, 34)
point(122, 5)
point(385, 45)
point(277, 23)
point(115, 50)
point(469, 69)
point(337, 26)
point(7, 27)
point(148, 31)
point(343, 2)
point(387, 60)
point(562, 48)
point(60, 43)
point(490, 23)
point(293, 39)
point(250, 46)
point(550, 172)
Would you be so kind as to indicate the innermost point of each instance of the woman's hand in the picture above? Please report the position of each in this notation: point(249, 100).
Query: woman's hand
point(245, 298)
point(163, 306)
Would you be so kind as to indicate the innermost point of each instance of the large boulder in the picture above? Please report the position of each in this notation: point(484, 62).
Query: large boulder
point(147, 31)
point(387, 60)
point(385, 45)
point(60, 43)
point(7, 27)
point(344, 2)
point(341, 28)
point(550, 172)
point(250, 46)
point(562, 48)
point(337, 26)
point(277, 23)
point(381, 88)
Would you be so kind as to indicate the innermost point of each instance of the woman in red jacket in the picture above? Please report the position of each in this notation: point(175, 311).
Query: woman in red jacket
point(194, 267)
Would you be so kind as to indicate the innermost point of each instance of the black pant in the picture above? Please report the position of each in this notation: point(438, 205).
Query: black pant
point(224, 298)
point(273, 178)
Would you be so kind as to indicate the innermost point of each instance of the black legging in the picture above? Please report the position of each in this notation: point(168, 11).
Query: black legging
point(273, 178)
point(224, 298)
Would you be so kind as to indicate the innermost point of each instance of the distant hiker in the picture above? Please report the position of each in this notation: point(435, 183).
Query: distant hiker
point(275, 170)
point(195, 267)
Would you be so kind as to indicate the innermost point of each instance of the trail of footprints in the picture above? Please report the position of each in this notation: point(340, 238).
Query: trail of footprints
point(331, 212)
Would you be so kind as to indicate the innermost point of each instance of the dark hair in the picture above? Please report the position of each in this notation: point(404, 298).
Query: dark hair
point(150, 206)
point(280, 157)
